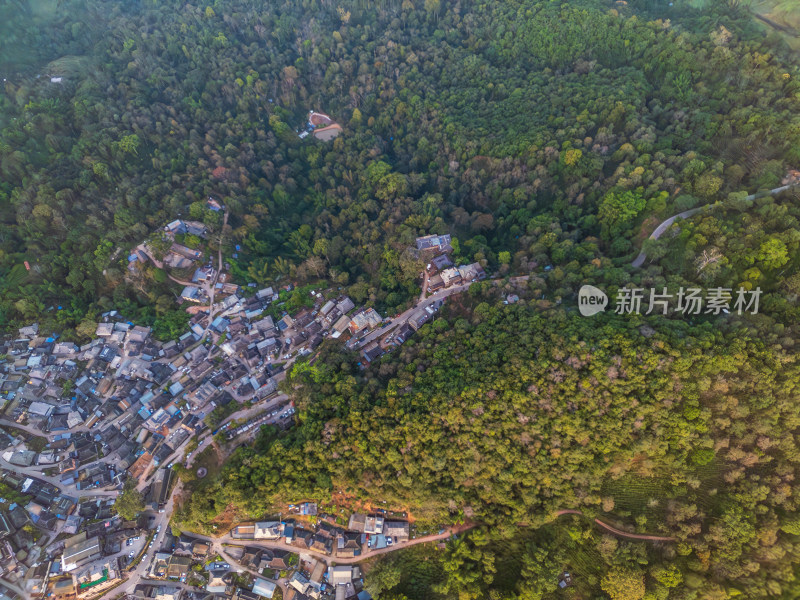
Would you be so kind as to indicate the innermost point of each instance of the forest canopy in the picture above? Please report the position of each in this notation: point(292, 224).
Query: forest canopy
point(660, 427)
point(549, 139)
point(554, 132)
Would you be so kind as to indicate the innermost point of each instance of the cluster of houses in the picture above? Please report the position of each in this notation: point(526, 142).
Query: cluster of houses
point(125, 405)
point(256, 337)
point(440, 273)
point(132, 399)
point(189, 560)
point(38, 508)
point(440, 269)
point(300, 333)
point(362, 533)
point(93, 561)
point(58, 538)
point(443, 275)
point(100, 548)
point(415, 320)
point(205, 275)
point(185, 566)
point(313, 579)
point(179, 256)
point(89, 556)
point(123, 397)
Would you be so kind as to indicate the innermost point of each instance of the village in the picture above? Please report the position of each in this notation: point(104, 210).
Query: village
point(78, 422)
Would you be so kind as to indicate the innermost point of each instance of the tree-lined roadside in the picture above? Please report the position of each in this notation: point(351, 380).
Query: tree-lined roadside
point(667, 223)
point(619, 532)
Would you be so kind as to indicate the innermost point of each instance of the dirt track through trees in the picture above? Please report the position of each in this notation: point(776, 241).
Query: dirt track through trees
point(619, 532)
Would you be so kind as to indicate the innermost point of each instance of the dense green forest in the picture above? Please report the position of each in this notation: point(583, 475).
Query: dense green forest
point(556, 132)
point(657, 426)
point(540, 134)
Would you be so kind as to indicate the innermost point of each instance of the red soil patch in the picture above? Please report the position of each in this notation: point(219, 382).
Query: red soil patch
point(318, 119)
point(354, 505)
point(328, 133)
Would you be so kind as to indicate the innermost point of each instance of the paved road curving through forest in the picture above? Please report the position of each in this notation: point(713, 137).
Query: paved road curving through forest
point(639, 260)
point(619, 532)
point(659, 231)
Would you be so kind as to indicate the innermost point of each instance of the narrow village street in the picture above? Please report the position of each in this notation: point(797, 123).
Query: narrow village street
point(220, 543)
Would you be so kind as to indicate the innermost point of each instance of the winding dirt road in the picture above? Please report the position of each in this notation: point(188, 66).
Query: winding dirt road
point(619, 532)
